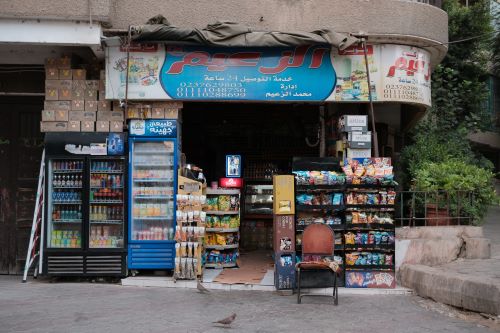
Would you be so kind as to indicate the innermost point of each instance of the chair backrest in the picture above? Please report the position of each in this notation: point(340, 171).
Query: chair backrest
point(318, 239)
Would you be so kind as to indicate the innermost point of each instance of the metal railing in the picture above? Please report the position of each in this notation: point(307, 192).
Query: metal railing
point(439, 208)
point(437, 3)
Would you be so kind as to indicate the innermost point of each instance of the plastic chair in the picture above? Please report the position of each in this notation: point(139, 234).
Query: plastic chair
point(317, 240)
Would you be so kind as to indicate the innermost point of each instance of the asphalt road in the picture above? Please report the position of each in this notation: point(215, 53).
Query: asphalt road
point(39, 306)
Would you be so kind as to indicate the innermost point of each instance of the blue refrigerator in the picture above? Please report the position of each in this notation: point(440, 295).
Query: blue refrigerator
point(152, 188)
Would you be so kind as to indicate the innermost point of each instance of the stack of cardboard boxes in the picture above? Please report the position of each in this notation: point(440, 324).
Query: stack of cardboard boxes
point(284, 231)
point(356, 139)
point(153, 110)
point(75, 104)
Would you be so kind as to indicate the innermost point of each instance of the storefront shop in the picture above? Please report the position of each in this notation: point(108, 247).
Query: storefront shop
point(208, 128)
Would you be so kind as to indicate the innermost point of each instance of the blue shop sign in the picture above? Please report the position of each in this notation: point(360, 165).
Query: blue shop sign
point(303, 73)
point(153, 128)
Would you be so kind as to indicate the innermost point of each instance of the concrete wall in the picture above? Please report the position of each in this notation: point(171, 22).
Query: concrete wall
point(370, 16)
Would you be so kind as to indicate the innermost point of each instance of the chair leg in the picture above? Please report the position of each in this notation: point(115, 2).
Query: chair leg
point(298, 286)
point(335, 290)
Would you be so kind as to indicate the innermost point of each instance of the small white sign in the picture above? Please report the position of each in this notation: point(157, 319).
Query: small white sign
point(137, 127)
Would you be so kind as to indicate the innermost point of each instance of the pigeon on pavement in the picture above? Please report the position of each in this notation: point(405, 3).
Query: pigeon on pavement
point(226, 321)
point(201, 289)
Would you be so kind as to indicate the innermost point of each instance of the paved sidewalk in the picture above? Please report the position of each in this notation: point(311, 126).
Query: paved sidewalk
point(38, 306)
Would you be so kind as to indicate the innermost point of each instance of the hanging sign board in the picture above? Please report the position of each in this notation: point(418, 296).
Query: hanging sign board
point(306, 73)
point(153, 127)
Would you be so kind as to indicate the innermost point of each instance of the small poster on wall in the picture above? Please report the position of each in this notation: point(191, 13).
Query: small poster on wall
point(233, 166)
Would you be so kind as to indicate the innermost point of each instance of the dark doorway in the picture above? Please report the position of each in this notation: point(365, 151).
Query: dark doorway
point(21, 145)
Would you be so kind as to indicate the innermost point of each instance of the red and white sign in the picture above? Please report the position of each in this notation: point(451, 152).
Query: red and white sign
point(231, 182)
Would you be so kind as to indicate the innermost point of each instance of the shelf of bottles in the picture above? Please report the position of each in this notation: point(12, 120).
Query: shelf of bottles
point(106, 201)
point(152, 191)
point(65, 185)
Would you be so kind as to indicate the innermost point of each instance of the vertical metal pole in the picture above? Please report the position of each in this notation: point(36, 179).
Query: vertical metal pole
point(127, 72)
point(370, 98)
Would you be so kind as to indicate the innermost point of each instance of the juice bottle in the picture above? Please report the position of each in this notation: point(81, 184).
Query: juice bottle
point(150, 210)
point(156, 209)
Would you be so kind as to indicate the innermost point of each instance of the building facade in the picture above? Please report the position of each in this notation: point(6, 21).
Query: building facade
point(36, 30)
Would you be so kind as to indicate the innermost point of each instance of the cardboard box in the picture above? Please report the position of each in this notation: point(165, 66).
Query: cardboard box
point(284, 195)
point(73, 126)
point(171, 113)
point(358, 153)
point(284, 233)
point(90, 105)
point(79, 84)
point(82, 115)
point(52, 84)
point(370, 279)
point(102, 85)
point(79, 74)
point(65, 74)
point(67, 84)
point(51, 94)
point(104, 106)
point(102, 95)
point(87, 126)
point(53, 126)
point(50, 62)
point(92, 84)
point(61, 115)
point(133, 113)
point(102, 126)
point(78, 94)
point(90, 95)
point(157, 113)
point(57, 105)
point(110, 115)
point(102, 74)
point(48, 115)
point(168, 105)
point(65, 94)
point(51, 73)
point(351, 123)
point(116, 126)
point(284, 271)
point(359, 139)
point(64, 62)
point(77, 105)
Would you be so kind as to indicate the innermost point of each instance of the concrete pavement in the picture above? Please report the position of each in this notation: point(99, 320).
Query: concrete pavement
point(39, 306)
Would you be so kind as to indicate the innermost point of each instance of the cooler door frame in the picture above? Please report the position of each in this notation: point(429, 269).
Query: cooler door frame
point(151, 246)
point(125, 208)
point(60, 252)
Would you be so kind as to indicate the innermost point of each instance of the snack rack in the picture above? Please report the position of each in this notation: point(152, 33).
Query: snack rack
point(369, 237)
point(222, 210)
point(190, 229)
point(319, 193)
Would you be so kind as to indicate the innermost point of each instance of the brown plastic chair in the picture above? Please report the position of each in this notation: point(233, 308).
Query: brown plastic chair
point(317, 239)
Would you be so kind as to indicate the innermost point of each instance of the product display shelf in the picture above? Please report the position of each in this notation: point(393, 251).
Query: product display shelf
point(221, 247)
point(187, 191)
point(369, 247)
point(318, 207)
point(228, 253)
point(386, 248)
point(222, 229)
point(308, 188)
point(370, 267)
point(321, 211)
point(220, 212)
point(369, 226)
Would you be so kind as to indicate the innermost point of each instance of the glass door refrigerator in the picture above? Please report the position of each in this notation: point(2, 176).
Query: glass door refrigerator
point(152, 184)
point(85, 216)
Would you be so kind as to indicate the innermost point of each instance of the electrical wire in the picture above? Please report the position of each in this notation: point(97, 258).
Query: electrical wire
point(462, 40)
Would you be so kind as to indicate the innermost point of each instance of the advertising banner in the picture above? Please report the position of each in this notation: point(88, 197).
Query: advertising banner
point(153, 127)
point(306, 73)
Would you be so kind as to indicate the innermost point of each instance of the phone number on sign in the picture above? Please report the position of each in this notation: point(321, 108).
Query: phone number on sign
point(204, 92)
point(399, 91)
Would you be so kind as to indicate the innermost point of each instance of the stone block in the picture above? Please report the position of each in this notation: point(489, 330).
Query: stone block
point(477, 248)
point(429, 252)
